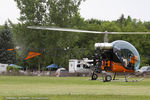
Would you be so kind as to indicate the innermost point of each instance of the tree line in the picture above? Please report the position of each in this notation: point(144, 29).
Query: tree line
point(59, 47)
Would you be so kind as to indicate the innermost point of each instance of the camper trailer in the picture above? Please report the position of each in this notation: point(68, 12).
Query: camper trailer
point(3, 67)
point(80, 66)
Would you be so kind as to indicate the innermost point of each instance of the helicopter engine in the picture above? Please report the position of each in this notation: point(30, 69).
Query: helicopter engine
point(102, 52)
point(103, 46)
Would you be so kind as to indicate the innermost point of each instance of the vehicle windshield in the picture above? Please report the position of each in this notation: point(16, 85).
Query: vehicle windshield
point(126, 51)
point(143, 68)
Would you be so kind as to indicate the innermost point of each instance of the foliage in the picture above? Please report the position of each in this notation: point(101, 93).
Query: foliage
point(52, 45)
point(59, 47)
point(6, 42)
point(12, 69)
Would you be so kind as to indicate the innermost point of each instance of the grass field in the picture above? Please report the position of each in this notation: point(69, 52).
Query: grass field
point(71, 88)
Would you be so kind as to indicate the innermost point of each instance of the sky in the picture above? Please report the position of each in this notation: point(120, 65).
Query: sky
point(8, 10)
point(97, 9)
point(112, 9)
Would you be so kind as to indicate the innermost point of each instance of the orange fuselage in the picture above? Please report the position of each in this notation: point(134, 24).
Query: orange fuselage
point(115, 67)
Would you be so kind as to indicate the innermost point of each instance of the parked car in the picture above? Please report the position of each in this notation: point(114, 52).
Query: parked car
point(61, 72)
point(143, 71)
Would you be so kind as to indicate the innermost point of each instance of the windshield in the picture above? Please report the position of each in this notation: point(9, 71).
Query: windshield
point(143, 68)
point(126, 51)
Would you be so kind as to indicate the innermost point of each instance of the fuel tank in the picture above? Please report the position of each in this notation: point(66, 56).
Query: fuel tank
point(103, 46)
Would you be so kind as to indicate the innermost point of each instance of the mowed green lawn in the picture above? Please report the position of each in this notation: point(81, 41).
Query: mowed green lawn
point(72, 88)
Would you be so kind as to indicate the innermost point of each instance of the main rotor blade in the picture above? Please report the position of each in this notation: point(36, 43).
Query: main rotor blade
point(63, 29)
point(82, 31)
point(128, 32)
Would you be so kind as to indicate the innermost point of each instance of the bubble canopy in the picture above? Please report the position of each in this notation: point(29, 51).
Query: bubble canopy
point(126, 50)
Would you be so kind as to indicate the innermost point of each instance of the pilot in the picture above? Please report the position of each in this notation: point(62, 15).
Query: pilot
point(132, 61)
point(125, 62)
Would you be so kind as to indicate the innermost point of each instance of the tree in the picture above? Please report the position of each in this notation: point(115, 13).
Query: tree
point(59, 47)
point(50, 44)
point(6, 43)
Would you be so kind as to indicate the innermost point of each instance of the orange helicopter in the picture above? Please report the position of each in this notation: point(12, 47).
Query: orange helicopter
point(116, 57)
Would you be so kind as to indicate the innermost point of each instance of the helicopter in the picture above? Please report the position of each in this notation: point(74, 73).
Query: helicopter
point(117, 57)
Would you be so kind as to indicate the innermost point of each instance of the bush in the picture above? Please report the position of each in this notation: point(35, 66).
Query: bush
point(12, 69)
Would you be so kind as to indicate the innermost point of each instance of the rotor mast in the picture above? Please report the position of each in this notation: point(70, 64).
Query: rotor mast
point(105, 37)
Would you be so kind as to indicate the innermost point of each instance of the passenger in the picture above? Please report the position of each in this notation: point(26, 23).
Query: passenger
point(125, 61)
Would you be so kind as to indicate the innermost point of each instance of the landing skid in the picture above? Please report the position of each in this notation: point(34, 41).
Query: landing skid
point(126, 79)
point(106, 77)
